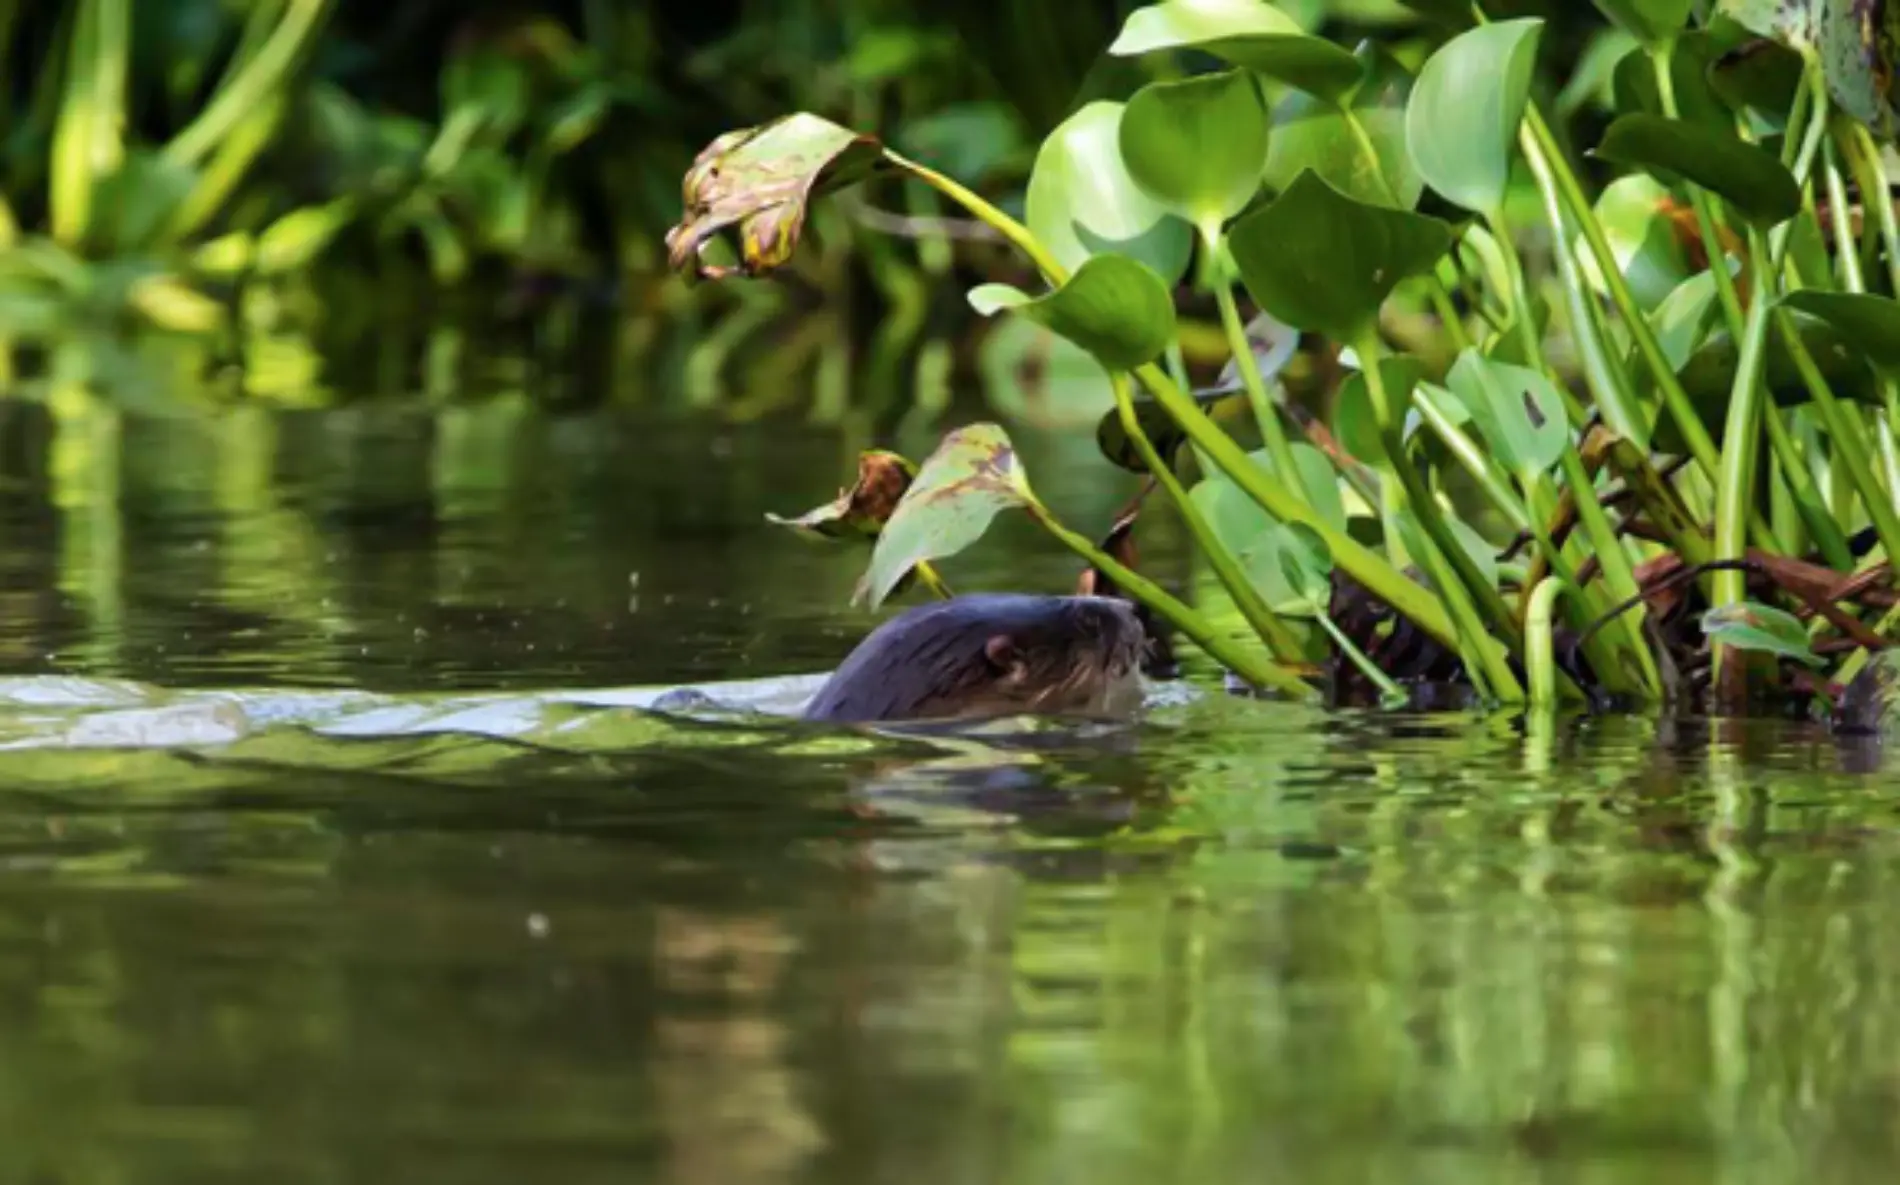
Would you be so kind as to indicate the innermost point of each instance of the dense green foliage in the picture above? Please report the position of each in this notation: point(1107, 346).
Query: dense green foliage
point(1560, 404)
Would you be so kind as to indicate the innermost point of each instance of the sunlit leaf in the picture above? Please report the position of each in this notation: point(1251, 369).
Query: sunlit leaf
point(862, 510)
point(1197, 145)
point(1461, 124)
point(1245, 33)
point(293, 241)
point(1081, 200)
point(1318, 260)
point(1519, 414)
point(761, 181)
point(170, 303)
point(971, 477)
point(1683, 318)
point(1113, 307)
point(1313, 133)
point(1752, 180)
point(1761, 628)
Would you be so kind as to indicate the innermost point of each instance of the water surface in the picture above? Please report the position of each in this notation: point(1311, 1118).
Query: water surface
point(1238, 941)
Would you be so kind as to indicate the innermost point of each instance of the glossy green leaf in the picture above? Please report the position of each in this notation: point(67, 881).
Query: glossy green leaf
point(1082, 202)
point(1518, 413)
point(1355, 422)
point(1869, 323)
point(1855, 50)
point(1761, 628)
point(1113, 307)
point(761, 180)
point(971, 478)
point(1750, 179)
point(1318, 260)
point(1651, 21)
point(1244, 33)
point(1632, 211)
point(1461, 125)
point(1312, 133)
point(1197, 145)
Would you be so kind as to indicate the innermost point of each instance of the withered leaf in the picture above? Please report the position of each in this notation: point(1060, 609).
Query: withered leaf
point(862, 510)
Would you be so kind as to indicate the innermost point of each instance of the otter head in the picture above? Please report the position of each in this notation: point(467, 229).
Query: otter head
point(988, 655)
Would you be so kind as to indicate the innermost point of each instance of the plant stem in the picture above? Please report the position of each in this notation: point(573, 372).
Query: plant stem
point(1272, 431)
point(1278, 636)
point(1003, 224)
point(1540, 654)
point(1482, 467)
point(1246, 663)
point(252, 84)
point(1367, 567)
point(1459, 580)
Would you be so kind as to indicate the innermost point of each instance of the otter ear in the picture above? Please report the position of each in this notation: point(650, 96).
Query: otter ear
point(1001, 651)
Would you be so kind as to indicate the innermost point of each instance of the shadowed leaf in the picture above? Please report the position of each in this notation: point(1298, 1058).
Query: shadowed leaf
point(1313, 133)
point(1869, 323)
point(1082, 202)
point(1244, 33)
point(962, 486)
point(1762, 628)
point(1759, 76)
point(761, 180)
point(1709, 377)
point(862, 510)
point(1461, 124)
point(1750, 179)
point(1651, 21)
point(1273, 344)
point(1357, 424)
point(1318, 260)
point(1113, 307)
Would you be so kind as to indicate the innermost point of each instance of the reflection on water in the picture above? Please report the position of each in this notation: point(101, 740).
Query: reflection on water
point(1239, 941)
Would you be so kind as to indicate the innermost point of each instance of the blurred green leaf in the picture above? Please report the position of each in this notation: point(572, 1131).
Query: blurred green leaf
point(1244, 33)
point(1461, 125)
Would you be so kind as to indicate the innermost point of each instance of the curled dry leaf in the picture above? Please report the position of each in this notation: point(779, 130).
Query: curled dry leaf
point(862, 510)
point(762, 180)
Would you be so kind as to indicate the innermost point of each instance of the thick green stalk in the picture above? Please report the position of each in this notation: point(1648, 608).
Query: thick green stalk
point(1278, 636)
point(1540, 652)
point(1364, 565)
point(1741, 441)
point(1271, 429)
point(1862, 148)
point(989, 215)
point(87, 146)
point(1462, 584)
point(1822, 528)
point(262, 76)
point(1248, 664)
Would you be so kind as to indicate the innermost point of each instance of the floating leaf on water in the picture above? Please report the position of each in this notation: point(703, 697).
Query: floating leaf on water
point(862, 510)
point(1761, 628)
point(1314, 133)
point(1244, 33)
point(971, 477)
point(1518, 412)
point(1856, 47)
point(1319, 260)
point(1197, 145)
point(1081, 201)
point(761, 180)
point(1752, 180)
point(1462, 121)
point(1113, 307)
point(1869, 323)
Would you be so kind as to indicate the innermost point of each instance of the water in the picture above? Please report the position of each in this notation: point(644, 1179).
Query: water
point(1236, 942)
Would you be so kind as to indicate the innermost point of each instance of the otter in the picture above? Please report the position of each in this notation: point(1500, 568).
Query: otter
point(989, 655)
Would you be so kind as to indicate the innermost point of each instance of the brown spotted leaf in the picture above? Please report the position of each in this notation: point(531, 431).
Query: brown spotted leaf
point(1855, 40)
point(862, 510)
point(962, 486)
point(761, 180)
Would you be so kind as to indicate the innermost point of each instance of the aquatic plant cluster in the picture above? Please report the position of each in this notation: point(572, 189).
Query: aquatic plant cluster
point(1676, 482)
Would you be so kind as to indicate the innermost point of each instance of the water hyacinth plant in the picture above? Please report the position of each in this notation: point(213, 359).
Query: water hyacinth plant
point(1674, 481)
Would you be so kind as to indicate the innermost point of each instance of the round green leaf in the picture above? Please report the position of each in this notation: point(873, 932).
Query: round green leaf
point(1869, 323)
point(971, 477)
point(1113, 307)
point(1082, 202)
point(1461, 125)
point(1312, 133)
point(1318, 260)
point(1750, 179)
point(1518, 412)
point(1632, 213)
point(1197, 145)
point(1244, 33)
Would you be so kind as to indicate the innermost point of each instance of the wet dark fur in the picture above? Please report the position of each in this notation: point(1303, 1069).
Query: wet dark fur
point(987, 655)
